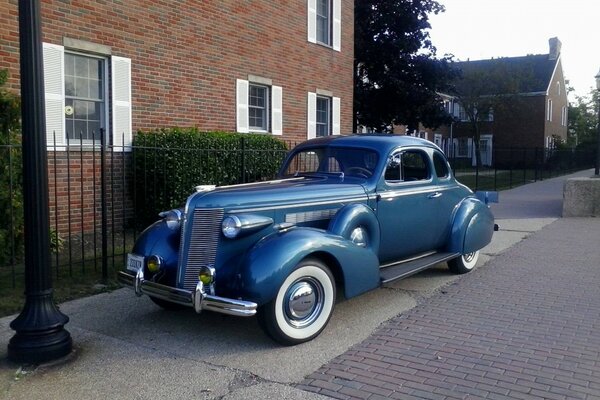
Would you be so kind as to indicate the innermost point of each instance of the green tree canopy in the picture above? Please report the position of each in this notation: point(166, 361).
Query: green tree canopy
point(397, 74)
point(583, 121)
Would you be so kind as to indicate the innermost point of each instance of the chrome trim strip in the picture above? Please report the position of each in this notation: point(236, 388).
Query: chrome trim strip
point(423, 255)
point(308, 216)
point(196, 299)
point(393, 194)
point(297, 205)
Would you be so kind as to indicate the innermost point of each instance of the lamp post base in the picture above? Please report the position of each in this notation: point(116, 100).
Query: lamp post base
point(40, 335)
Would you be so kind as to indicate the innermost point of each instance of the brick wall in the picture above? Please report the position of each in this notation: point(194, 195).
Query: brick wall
point(186, 56)
point(75, 191)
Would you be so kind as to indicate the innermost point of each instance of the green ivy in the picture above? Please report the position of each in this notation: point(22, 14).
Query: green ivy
point(169, 163)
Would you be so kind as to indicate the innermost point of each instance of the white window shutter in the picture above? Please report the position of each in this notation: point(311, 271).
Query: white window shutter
point(335, 126)
point(276, 110)
point(121, 103)
point(243, 123)
point(312, 116)
point(54, 88)
point(312, 21)
point(337, 25)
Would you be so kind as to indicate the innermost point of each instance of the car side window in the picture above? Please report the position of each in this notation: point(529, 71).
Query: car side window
point(406, 166)
point(441, 166)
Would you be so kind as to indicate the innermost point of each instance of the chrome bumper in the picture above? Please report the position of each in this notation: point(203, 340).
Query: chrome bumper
point(197, 299)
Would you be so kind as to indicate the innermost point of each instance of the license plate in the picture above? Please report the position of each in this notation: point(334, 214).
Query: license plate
point(134, 263)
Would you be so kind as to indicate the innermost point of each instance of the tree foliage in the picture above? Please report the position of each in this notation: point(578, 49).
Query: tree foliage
point(397, 74)
point(583, 121)
point(11, 187)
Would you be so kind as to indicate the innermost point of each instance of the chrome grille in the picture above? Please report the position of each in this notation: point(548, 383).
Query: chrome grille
point(204, 239)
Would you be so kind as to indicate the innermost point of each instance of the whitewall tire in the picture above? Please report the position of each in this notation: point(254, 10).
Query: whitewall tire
point(465, 263)
point(303, 304)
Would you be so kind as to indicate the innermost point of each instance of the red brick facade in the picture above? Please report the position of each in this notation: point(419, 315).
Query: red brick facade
point(186, 57)
point(185, 60)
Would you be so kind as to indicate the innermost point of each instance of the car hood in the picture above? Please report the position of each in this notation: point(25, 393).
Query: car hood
point(279, 193)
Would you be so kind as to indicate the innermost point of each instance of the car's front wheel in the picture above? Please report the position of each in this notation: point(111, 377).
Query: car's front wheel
point(465, 263)
point(303, 304)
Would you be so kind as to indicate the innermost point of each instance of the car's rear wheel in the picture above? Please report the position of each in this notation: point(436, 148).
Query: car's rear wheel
point(303, 304)
point(465, 263)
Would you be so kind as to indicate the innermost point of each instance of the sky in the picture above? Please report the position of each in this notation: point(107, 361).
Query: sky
point(482, 29)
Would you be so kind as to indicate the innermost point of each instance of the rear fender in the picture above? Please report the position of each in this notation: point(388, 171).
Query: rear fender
point(472, 227)
point(271, 260)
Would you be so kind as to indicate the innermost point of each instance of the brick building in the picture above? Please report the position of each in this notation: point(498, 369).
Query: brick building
point(537, 119)
point(282, 68)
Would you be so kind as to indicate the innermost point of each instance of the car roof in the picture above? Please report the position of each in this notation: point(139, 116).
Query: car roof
point(382, 142)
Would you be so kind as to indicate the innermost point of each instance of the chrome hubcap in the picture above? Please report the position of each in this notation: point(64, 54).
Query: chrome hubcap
point(303, 302)
point(469, 257)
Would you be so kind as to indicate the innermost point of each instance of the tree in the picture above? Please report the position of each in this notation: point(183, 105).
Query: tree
point(11, 187)
point(397, 75)
point(488, 88)
point(583, 120)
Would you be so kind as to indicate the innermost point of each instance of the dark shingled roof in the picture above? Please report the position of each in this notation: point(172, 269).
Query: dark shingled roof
point(533, 72)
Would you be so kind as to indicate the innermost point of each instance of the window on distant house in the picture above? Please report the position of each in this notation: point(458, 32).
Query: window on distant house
point(78, 105)
point(85, 105)
point(324, 22)
point(258, 108)
point(558, 88)
point(549, 111)
point(323, 116)
point(491, 115)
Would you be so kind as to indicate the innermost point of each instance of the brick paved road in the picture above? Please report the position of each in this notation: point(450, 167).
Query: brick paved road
point(526, 325)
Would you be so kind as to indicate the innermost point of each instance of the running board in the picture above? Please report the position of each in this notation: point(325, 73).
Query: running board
point(403, 269)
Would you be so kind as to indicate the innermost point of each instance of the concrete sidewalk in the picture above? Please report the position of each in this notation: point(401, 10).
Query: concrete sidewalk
point(524, 312)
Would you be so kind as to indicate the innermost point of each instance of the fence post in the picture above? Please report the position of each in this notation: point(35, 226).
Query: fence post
point(243, 157)
point(103, 215)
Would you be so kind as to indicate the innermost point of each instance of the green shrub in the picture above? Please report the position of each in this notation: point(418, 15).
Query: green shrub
point(11, 186)
point(169, 163)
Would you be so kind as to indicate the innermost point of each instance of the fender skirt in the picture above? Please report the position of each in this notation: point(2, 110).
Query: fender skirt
point(269, 263)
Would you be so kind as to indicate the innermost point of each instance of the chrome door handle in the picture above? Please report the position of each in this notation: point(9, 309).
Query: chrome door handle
point(434, 195)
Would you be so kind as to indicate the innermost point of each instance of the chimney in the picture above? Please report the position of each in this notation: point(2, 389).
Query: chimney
point(555, 45)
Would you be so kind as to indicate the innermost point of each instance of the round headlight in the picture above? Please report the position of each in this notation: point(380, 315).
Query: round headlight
point(154, 264)
point(231, 226)
point(172, 218)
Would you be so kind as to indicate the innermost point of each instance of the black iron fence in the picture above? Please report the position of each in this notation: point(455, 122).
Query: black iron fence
point(96, 190)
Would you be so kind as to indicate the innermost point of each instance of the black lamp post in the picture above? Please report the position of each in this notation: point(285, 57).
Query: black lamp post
point(40, 335)
point(597, 170)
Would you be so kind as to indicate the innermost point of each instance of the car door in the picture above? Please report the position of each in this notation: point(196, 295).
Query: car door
point(407, 201)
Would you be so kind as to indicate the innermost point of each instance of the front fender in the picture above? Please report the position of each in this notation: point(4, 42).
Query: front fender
point(472, 226)
point(271, 260)
point(160, 240)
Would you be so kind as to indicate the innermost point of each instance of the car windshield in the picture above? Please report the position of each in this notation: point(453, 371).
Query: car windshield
point(360, 163)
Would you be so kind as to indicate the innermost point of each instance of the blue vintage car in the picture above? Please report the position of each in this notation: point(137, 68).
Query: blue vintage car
point(348, 213)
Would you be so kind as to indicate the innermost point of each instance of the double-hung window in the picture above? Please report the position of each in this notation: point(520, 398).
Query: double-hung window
point(78, 105)
point(85, 97)
point(325, 22)
point(259, 106)
point(323, 115)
